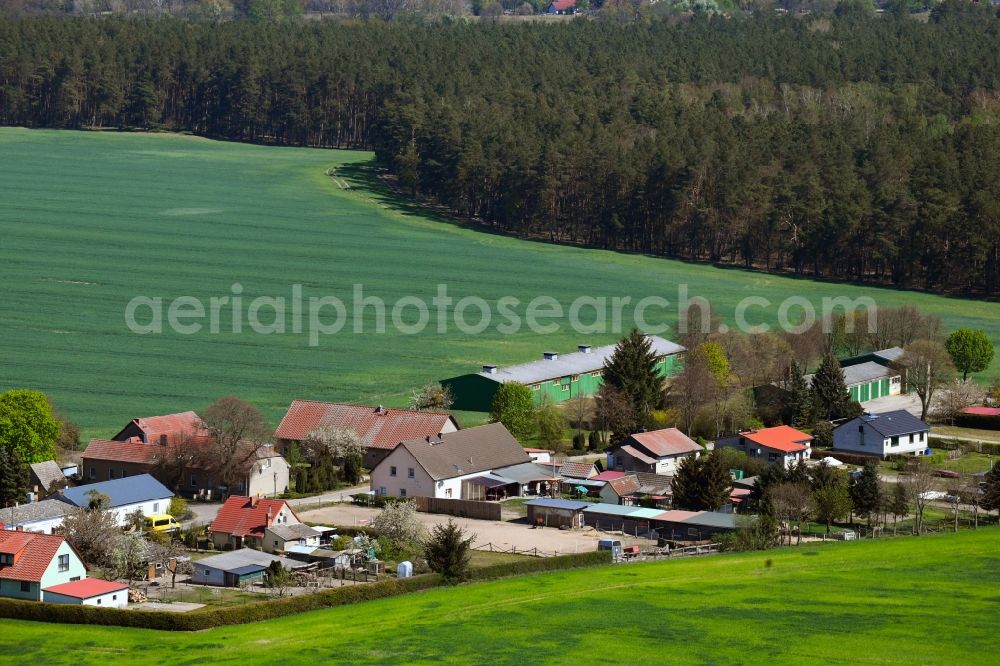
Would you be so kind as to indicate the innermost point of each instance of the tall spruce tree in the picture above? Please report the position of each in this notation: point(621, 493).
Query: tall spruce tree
point(801, 400)
point(632, 370)
point(13, 477)
point(701, 484)
point(831, 397)
point(866, 494)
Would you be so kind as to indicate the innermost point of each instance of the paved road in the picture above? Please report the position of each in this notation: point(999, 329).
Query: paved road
point(908, 401)
point(205, 512)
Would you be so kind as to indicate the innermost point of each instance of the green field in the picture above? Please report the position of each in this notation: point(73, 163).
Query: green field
point(927, 600)
point(89, 221)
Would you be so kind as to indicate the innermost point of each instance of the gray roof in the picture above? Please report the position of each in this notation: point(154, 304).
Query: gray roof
point(891, 354)
point(861, 373)
point(245, 557)
point(468, 451)
point(526, 472)
point(30, 513)
point(549, 503)
point(48, 473)
point(297, 531)
point(890, 424)
point(130, 490)
point(573, 363)
point(712, 519)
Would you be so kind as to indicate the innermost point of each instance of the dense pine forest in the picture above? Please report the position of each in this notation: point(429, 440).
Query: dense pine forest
point(846, 144)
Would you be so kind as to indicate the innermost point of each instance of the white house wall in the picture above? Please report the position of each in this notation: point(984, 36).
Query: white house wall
point(421, 485)
point(118, 599)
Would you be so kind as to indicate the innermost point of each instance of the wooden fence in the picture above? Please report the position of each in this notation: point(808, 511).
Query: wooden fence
point(458, 507)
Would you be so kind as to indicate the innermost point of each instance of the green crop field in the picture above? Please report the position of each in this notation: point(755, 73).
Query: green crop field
point(928, 600)
point(89, 221)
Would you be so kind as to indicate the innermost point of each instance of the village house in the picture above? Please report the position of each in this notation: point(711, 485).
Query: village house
point(45, 477)
point(31, 562)
point(554, 378)
point(448, 466)
point(278, 538)
point(125, 496)
point(45, 516)
point(620, 490)
point(267, 474)
point(380, 428)
point(88, 592)
point(897, 432)
point(778, 445)
point(243, 521)
point(657, 452)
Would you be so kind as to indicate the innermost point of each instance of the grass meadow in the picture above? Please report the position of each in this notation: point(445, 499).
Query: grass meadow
point(927, 600)
point(89, 221)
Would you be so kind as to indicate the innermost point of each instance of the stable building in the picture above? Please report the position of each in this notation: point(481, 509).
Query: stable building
point(554, 378)
point(872, 375)
point(548, 512)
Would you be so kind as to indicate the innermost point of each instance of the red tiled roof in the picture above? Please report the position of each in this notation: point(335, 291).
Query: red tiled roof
point(563, 5)
point(608, 476)
point(133, 452)
point(780, 438)
point(676, 516)
point(625, 485)
point(666, 442)
point(33, 553)
point(85, 588)
point(982, 411)
point(380, 428)
point(577, 470)
point(171, 425)
point(241, 515)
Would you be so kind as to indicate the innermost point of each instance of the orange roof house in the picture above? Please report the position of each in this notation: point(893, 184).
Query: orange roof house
point(242, 520)
point(782, 444)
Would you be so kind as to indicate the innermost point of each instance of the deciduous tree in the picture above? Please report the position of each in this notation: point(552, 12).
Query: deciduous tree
point(970, 350)
point(928, 368)
point(514, 406)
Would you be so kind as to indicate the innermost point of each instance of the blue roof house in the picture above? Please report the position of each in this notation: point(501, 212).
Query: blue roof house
point(897, 432)
point(141, 492)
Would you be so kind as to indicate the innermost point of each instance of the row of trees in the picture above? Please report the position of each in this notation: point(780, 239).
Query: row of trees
point(840, 144)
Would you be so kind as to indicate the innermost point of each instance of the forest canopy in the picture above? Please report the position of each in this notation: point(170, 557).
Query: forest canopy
point(844, 144)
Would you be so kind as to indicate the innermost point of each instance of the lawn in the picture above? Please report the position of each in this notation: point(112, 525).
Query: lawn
point(92, 220)
point(928, 600)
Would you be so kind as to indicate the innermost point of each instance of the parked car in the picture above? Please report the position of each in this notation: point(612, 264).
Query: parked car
point(163, 523)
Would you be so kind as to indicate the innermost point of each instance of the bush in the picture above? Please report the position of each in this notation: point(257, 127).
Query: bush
point(576, 561)
point(579, 441)
point(179, 509)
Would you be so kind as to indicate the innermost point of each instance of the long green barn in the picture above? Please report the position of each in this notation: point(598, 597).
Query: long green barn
point(557, 377)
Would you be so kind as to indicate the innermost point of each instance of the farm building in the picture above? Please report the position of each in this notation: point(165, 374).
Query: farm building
point(577, 470)
point(693, 525)
point(168, 428)
point(613, 517)
point(88, 592)
point(872, 375)
point(443, 466)
point(548, 512)
point(243, 521)
point(780, 444)
point(556, 377)
point(657, 452)
point(380, 428)
point(30, 562)
point(245, 565)
point(44, 516)
point(45, 477)
point(540, 455)
point(135, 493)
point(897, 432)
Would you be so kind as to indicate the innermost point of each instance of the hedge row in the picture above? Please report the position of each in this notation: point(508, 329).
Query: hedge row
point(980, 421)
point(209, 617)
point(534, 565)
point(849, 458)
point(952, 445)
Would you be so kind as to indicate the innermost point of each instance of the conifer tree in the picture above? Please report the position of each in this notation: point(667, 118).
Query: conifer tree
point(801, 400)
point(632, 370)
point(866, 492)
point(831, 396)
point(13, 478)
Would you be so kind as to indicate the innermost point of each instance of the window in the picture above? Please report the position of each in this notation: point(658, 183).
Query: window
point(93, 473)
point(99, 602)
point(565, 387)
point(156, 507)
point(74, 578)
point(25, 586)
point(861, 428)
point(410, 473)
point(595, 373)
point(392, 470)
point(447, 492)
point(381, 490)
point(194, 481)
point(402, 492)
point(771, 457)
point(6, 559)
point(207, 573)
point(63, 563)
point(575, 378)
point(124, 472)
point(275, 543)
point(534, 387)
point(114, 597)
point(923, 436)
point(895, 441)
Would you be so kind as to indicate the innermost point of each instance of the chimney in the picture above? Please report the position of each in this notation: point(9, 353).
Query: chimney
point(163, 440)
point(550, 356)
point(584, 349)
point(380, 410)
point(490, 369)
point(440, 435)
point(428, 438)
point(254, 501)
